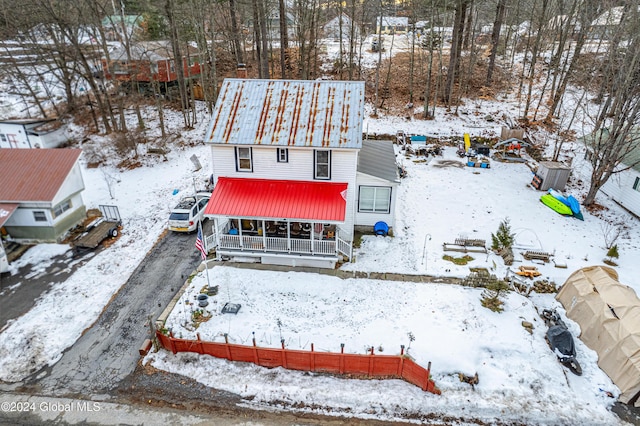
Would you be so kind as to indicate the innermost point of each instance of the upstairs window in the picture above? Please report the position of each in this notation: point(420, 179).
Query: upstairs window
point(244, 161)
point(636, 184)
point(322, 164)
point(283, 155)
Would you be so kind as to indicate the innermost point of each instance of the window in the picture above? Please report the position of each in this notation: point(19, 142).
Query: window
point(374, 199)
point(39, 216)
point(61, 208)
point(243, 159)
point(322, 163)
point(636, 184)
point(3, 137)
point(172, 67)
point(120, 67)
point(154, 68)
point(283, 155)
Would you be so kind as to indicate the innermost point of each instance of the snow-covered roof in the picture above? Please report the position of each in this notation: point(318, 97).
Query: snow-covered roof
point(393, 21)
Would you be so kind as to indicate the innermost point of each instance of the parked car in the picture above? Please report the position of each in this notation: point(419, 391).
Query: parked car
point(184, 217)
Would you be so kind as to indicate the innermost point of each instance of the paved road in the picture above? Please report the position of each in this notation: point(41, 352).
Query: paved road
point(108, 351)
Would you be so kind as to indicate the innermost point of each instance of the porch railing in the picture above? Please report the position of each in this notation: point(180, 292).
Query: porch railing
point(276, 244)
point(260, 243)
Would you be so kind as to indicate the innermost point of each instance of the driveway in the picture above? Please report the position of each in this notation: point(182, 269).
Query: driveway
point(18, 292)
point(108, 351)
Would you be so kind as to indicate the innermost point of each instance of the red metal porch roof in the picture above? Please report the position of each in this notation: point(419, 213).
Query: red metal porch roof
point(278, 199)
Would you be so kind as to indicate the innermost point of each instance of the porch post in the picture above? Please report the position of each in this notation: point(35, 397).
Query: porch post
point(216, 230)
point(288, 235)
point(240, 233)
point(264, 236)
point(313, 231)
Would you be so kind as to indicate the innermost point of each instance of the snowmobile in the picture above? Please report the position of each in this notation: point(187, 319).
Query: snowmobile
point(560, 340)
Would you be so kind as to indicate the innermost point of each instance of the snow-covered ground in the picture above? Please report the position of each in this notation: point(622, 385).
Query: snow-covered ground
point(520, 379)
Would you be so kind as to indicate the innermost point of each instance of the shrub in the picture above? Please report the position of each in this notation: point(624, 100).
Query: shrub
point(503, 238)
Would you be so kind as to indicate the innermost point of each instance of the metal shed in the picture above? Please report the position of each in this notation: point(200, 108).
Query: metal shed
point(551, 174)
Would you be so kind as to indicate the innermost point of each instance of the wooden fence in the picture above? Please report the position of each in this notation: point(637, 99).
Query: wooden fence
point(377, 366)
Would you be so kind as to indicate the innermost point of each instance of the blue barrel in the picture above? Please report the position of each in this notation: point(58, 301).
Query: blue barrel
point(381, 228)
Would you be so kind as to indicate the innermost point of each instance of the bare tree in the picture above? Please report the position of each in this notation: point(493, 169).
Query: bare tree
point(616, 134)
point(461, 9)
point(284, 39)
point(495, 38)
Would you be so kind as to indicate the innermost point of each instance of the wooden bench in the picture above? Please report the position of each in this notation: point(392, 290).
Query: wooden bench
point(470, 242)
point(537, 255)
point(463, 248)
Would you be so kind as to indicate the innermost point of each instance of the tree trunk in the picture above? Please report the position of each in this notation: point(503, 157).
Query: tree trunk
point(456, 43)
point(284, 40)
point(262, 16)
point(235, 33)
point(495, 39)
point(534, 56)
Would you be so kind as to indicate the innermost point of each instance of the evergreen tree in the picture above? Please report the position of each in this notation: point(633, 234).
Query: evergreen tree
point(613, 252)
point(503, 238)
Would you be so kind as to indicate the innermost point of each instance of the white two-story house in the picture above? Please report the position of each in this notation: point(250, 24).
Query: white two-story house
point(285, 169)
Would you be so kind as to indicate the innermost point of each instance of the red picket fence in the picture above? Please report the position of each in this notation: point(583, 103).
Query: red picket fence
point(378, 366)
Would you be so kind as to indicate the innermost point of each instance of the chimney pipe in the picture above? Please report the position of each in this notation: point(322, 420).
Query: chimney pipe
point(241, 72)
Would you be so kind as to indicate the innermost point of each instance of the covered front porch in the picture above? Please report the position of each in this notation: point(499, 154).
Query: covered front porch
point(257, 237)
point(279, 222)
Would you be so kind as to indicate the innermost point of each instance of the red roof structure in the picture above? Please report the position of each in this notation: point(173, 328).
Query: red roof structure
point(6, 210)
point(34, 174)
point(278, 199)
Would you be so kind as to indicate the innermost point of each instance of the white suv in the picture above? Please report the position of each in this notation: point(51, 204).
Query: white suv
point(184, 217)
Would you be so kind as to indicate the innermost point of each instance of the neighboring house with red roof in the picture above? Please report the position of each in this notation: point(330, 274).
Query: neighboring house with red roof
point(289, 186)
point(150, 61)
point(32, 133)
point(40, 195)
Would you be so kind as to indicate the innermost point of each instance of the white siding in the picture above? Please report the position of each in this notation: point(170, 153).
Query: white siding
point(20, 137)
point(370, 219)
point(76, 203)
point(23, 216)
point(299, 167)
point(72, 184)
point(50, 140)
point(620, 188)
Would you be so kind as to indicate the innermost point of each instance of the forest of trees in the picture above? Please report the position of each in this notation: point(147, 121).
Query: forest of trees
point(539, 49)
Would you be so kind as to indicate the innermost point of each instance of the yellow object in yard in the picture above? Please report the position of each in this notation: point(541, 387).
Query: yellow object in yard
point(467, 142)
point(528, 271)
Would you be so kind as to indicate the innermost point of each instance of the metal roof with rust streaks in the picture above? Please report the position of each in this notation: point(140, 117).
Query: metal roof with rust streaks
point(34, 174)
point(304, 113)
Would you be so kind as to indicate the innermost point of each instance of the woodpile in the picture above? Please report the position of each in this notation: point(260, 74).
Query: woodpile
point(544, 286)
